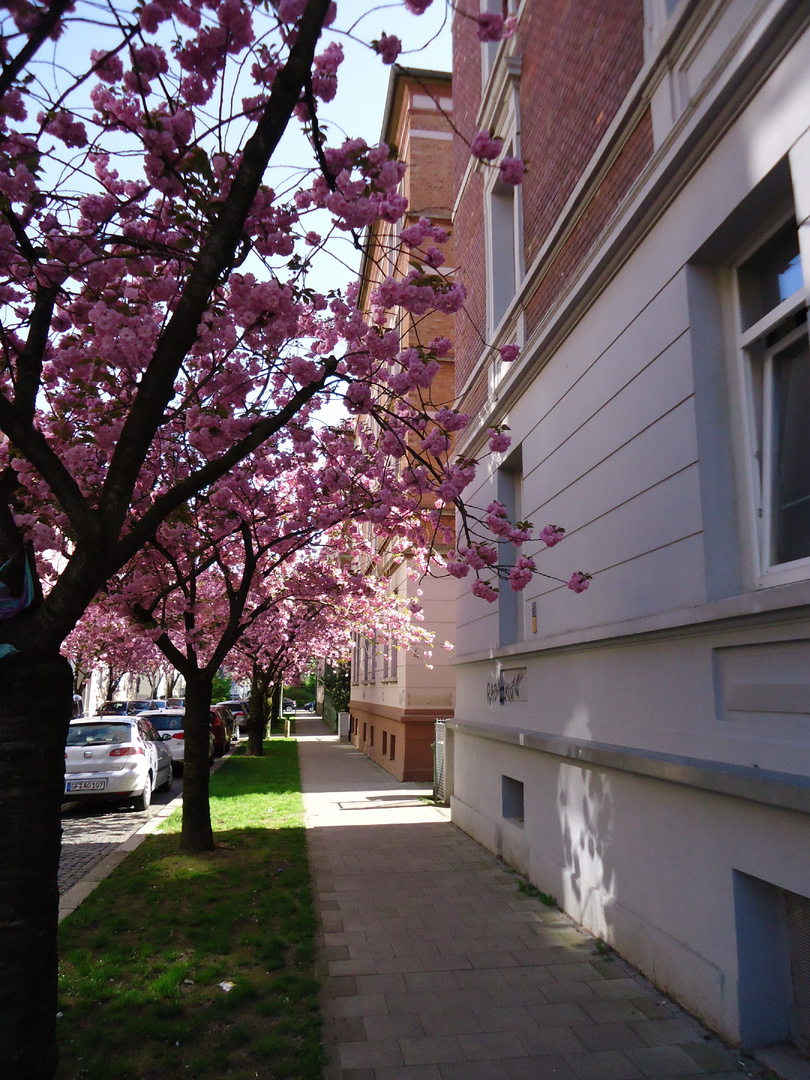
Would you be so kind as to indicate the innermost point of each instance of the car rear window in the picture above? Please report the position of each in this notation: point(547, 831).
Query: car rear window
point(98, 734)
point(167, 723)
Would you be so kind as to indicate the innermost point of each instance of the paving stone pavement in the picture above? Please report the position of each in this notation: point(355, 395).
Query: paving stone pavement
point(91, 833)
point(437, 967)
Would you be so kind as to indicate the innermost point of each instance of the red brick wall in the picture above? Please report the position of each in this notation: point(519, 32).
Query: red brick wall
point(579, 59)
point(470, 249)
point(606, 200)
point(466, 85)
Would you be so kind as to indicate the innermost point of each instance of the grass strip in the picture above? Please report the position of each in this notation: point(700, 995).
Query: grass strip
point(201, 966)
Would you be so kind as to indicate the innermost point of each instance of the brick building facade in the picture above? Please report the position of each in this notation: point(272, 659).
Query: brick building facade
point(396, 697)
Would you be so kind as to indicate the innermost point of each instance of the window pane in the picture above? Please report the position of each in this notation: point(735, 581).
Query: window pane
point(502, 249)
point(791, 488)
point(771, 275)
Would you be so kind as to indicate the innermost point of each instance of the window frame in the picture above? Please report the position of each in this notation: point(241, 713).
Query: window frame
point(756, 384)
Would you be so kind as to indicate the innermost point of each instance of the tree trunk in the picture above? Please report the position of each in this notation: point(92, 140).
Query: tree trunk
point(197, 834)
point(257, 719)
point(275, 705)
point(35, 710)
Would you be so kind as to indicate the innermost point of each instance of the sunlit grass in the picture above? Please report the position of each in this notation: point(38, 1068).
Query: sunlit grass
point(144, 957)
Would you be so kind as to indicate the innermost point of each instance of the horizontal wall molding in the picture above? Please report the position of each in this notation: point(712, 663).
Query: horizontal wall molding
point(785, 791)
point(370, 710)
point(780, 605)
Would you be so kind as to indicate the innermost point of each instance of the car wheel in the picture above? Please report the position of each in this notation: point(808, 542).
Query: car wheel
point(144, 800)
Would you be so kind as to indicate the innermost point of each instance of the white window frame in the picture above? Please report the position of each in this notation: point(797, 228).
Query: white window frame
point(495, 242)
point(757, 386)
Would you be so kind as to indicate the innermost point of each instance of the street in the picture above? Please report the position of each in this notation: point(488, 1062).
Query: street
point(90, 831)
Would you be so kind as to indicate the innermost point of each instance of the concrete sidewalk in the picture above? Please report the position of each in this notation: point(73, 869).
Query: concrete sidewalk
point(437, 967)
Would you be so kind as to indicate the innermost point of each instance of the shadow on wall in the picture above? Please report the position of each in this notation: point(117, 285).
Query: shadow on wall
point(587, 825)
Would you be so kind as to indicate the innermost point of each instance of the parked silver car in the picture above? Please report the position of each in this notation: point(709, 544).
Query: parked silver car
point(169, 724)
point(115, 758)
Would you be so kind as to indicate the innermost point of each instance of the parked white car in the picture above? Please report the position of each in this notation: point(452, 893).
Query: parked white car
point(115, 758)
point(169, 725)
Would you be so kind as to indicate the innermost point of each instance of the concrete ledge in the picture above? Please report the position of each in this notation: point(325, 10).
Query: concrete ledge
point(785, 1061)
point(788, 791)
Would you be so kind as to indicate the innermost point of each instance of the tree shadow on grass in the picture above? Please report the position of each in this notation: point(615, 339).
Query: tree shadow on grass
point(195, 965)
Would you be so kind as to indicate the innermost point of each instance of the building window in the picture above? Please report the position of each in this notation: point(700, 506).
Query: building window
point(773, 340)
point(489, 49)
point(365, 728)
point(393, 748)
point(355, 658)
point(512, 799)
point(385, 743)
point(656, 15)
point(369, 660)
point(502, 250)
point(773, 961)
point(371, 739)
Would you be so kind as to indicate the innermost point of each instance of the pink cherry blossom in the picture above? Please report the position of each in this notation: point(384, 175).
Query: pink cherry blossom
point(579, 581)
point(509, 353)
point(551, 535)
point(493, 27)
point(389, 47)
point(485, 147)
point(511, 171)
point(499, 441)
point(521, 573)
point(484, 591)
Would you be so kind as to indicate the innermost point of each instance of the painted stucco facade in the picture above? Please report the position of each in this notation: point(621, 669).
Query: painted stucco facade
point(642, 751)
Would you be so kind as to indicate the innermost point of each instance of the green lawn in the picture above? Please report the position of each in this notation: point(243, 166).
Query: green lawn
point(201, 967)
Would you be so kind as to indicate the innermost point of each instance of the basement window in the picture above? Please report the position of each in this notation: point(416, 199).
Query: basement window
point(512, 799)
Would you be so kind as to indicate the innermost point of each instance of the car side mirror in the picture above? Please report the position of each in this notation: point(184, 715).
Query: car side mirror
point(165, 735)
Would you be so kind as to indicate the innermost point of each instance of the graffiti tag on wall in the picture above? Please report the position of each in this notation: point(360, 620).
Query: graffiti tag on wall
point(509, 687)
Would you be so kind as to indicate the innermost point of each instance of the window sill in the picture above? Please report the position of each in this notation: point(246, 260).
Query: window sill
point(785, 574)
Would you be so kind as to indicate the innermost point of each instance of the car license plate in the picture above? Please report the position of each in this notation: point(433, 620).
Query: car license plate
point(85, 785)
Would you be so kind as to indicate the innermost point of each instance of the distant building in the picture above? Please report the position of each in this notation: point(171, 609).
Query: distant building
point(396, 697)
point(642, 751)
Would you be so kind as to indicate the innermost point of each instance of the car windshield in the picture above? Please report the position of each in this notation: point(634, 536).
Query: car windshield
point(98, 734)
point(167, 722)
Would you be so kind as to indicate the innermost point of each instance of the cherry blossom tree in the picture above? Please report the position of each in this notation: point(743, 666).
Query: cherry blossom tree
point(157, 329)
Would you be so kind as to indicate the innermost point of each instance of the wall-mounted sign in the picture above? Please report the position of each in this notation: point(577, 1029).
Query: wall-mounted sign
point(509, 687)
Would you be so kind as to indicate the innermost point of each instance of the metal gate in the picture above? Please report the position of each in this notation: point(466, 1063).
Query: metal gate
point(798, 922)
point(440, 761)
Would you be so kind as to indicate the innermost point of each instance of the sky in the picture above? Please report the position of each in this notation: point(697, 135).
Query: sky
point(358, 111)
point(362, 90)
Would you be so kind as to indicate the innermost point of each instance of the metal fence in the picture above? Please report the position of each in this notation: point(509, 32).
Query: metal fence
point(440, 761)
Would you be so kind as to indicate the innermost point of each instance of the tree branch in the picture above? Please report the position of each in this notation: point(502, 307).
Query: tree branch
point(50, 20)
point(157, 383)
